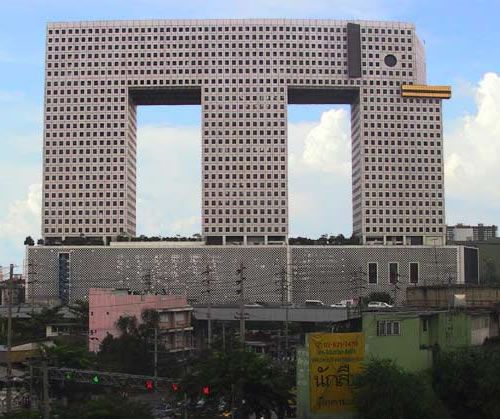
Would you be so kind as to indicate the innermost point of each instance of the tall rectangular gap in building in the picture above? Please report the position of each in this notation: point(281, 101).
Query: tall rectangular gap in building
point(319, 170)
point(168, 189)
point(327, 151)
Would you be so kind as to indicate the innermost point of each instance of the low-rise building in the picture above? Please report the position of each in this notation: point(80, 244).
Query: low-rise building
point(53, 330)
point(467, 233)
point(412, 337)
point(106, 306)
point(453, 295)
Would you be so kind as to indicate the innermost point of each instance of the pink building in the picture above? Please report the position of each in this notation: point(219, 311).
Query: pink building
point(107, 305)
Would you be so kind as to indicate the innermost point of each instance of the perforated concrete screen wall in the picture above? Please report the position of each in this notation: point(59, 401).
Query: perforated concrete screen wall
point(327, 273)
point(243, 73)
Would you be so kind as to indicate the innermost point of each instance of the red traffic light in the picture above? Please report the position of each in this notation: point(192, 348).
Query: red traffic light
point(150, 385)
point(206, 390)
point(175, 387)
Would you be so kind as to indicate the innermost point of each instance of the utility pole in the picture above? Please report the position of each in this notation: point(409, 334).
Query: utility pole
point(209, 308)
point(356, 277)
point(436, 260)
point(241, 291)
point(283, 289)
point(10, 288)
point(32, 393)
point(185, 406)
point(45, 385)
point(32, 289)
point(223, 336)
point(155, 372)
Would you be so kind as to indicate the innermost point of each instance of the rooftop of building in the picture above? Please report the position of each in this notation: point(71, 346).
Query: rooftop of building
point(195, 244)
point(455, 286)
point(251, 21)
point(461, 225)
point(426, 311)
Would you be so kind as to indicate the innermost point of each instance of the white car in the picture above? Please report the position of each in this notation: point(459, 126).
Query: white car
point(378, 304)
point(345, 303)
point(253, 305)
point(313, 303)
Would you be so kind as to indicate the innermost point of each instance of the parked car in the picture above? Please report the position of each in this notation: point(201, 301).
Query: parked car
point(314, 303)
point(253, 305)
point(378, 304)
point(345, 303)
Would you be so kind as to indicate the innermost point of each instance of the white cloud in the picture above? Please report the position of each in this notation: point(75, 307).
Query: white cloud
point(169, 180)
point(22, 217)
point(472, 151)
point(169, 177)
point(328, 145)
point(320, 175)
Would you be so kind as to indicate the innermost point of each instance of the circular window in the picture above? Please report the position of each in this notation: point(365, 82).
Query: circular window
point(390, 60)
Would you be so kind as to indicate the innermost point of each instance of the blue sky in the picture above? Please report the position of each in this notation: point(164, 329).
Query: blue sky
point(461, 40)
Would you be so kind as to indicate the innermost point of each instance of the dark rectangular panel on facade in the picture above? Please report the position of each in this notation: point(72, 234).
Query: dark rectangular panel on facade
point(298, 95)
point(162, 95)
point(353, 50)
point(393, 273)
point(471, 265)
point(372, 273)
point(414, 274)
point(63, 277)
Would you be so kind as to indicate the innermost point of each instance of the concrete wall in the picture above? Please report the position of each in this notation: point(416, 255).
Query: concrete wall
point(440, 296)
point(327, 273)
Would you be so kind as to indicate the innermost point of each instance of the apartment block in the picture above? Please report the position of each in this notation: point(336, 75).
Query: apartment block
point(470, 233)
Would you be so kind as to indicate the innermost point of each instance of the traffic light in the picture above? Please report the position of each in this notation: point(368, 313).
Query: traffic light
point(175, 387)
point(95, 379)
point(150, 385)
point(205, 390)
point(68, 375)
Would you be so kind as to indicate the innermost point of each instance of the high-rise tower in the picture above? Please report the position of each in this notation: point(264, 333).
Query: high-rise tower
point(243, 73)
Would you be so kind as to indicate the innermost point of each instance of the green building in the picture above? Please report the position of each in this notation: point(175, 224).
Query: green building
point(412, 337)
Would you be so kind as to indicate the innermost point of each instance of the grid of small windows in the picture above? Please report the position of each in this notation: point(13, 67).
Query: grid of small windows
point(244, 69)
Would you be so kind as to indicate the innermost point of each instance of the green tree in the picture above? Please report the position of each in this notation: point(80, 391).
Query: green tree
point(489, 274)
point(80, 309)
point(131, 352)
point(105, 408)
point(254, 382)
point(22, 414)
point(385, 391)
point(468, 382)
point(70, 356)
point(32, 329)
point(28, 241)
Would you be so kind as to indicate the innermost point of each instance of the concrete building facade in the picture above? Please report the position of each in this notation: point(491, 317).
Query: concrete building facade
point(326, 273)
point(243, 73)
